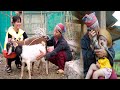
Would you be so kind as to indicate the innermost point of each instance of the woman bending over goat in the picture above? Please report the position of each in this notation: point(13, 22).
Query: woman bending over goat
point(61, 52)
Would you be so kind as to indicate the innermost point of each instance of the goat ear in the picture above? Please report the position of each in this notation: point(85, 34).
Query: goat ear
point(43, 43)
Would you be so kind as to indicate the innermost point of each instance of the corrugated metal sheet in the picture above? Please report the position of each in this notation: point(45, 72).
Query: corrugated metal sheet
point(52, 20)
point(5, 22)
point(110, 20)
point(42, 19)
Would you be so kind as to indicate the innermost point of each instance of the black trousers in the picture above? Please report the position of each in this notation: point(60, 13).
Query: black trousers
point(16, 59)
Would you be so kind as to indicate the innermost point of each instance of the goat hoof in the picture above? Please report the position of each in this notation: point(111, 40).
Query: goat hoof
point(20, 77)
point(31, 74)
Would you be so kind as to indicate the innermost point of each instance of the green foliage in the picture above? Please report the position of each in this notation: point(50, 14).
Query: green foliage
point(117, 56)
point(116, 67)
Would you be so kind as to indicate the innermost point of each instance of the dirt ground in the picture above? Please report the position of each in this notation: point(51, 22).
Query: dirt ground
point(38, 73)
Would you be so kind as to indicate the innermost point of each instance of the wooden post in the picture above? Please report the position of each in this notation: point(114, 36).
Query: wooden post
point(81, 34)
point(102, 19)
point(74, 69)
point(83, 31)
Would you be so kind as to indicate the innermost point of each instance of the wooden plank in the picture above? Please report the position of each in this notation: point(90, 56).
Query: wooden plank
point(114, 31)
point(116, 60)
point(77, 21)
point(116, 39)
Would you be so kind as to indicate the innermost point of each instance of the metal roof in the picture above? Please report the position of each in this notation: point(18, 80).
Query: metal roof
point(110, 20)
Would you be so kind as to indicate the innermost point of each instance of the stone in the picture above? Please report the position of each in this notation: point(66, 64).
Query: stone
point(73, 69)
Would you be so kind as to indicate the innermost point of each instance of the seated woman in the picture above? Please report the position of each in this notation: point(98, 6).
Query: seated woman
point(103, 67)
point(89, 56)
point(14, 33)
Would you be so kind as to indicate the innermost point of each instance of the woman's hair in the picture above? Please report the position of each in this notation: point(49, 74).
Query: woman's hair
point(15, 18)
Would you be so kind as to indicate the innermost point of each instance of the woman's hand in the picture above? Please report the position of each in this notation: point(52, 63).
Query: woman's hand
point(103, 44)
point(50, 49)
point(91, 34)
point(101, 52)
point(42, 54)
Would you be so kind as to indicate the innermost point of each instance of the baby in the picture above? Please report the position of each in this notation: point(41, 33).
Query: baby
point(102, 66)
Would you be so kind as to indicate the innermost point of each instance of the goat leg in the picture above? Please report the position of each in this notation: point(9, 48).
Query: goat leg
point(22, 69)
point(32, 68)
point(47, 62)
point(39, 64)
point(28, 67)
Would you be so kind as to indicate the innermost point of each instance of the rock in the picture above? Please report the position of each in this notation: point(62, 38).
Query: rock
point(73, 69)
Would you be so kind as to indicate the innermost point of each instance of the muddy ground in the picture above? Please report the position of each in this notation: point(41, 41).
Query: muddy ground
point(38, 73)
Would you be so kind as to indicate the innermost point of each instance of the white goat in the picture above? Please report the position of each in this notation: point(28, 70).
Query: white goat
point(29, 54)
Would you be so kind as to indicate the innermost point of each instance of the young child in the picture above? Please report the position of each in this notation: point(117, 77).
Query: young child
point(103, 66)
